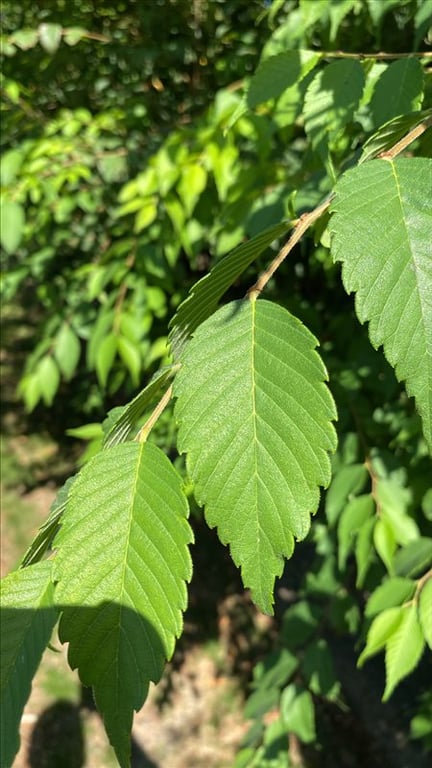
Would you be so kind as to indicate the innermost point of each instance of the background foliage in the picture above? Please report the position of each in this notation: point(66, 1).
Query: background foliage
point(135, 156)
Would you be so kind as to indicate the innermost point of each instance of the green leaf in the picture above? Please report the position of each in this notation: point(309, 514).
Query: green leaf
point(385, 542)
point(331, 100)
point(357, 511)
point(49, 378)
point(12, 225)
point(345, 484)
point(122, 598)
point(67, 350)
point(131, 357)
point(425, 611)
point(404, 649)
point(191, 185)
point(73, 35)
point(363, 551)
point(381, 228)
point(318, 670)
point(11, 163)
point(393, 592)
point(277, 73)
point(50, 36)
point(383, 626)
point(205, 294)
point(423, 21)
point(25, 39)
point(398, 90)
point(415, 558)
point(48, 530)
point(120, 430)
point(105, 357)
point(28, 618)
point(255, 422)
point(298, 713)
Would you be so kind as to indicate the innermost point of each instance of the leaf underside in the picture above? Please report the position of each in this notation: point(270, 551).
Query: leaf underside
point(255, 421)
point(122, 597)
point(382, 234)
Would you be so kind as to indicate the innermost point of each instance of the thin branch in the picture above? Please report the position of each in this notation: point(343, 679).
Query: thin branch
point(406, 140)
point(151, 421)
point(381, 55)
point(302, 224)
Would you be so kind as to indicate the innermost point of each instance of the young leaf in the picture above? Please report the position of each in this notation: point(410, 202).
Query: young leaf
point(357, 511)
point(205, 294)
point(28, 618)
point(67, 350)
point(382, 627)
point(348, 482)
point(255, 422)
point(122, 598)
point(390, 594)
point(404, 649)
point(105, 357)
point(413, 559)
point(381, 228)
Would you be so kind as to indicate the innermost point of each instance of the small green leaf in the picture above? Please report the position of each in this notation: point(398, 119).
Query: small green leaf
point(398, 90)
point(73, 35)
point(391, 132)
point(25, 39)
point(12, 225)
point(255, 421)
point(393, 592)
point(122, 598)
point(357, 511)
point(67, 350)
point(363, 551)
point(105, 356)
point(348, 482)
point(415, 558)
point(28, 618)
point(191, 185)
point(10, 165)
point(49, 378)
point(90, 431)
point(404, 649)
point(131, 357)
point(318, 670)
point(50, 36)
point(146, 215)
point(298, 713)
point(425, 611)
point(277, 73)
point(382, 627)
point(385, 542)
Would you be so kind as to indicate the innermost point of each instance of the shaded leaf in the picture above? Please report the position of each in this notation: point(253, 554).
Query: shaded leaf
point(415, 558)
point(393, 592)
point(122, 598)
point(398, 90)
point(381, 227)
point(28, 618)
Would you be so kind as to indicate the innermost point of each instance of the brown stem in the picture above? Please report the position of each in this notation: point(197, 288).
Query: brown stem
point(406, 140)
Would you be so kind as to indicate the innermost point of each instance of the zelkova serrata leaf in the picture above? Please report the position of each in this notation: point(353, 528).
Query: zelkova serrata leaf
point(28, 618)
point(382, 233)
point(255, 421)
point(123, 597)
